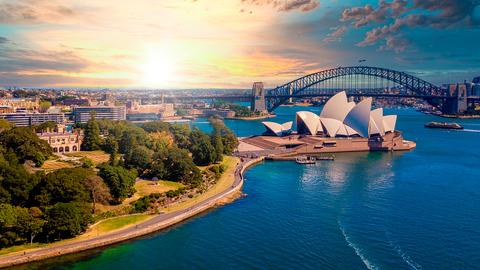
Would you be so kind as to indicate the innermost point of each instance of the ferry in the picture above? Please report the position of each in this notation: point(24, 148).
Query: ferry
point(305, 160)
point(443, 125)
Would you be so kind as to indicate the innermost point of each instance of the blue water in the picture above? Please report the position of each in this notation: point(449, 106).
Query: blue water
point(412, 210)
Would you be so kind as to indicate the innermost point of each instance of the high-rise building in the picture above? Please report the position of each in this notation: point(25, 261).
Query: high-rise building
point(83, 114)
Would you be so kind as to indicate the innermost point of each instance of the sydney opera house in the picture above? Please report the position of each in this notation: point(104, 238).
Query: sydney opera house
point(339, 118)
point(342, 126)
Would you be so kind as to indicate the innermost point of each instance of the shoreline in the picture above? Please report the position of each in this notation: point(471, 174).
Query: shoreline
point(152, 225)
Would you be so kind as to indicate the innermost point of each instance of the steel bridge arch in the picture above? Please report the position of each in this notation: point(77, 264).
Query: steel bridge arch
point(281, 94)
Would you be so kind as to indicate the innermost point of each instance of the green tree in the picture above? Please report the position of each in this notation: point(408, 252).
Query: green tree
point(201, 148)
point(44, 105)
point(139, 157)
point(181, 135)
point(8, 221)
point(45, 126)
point(92, 140)
point(64, 185)
point(131, 137)
point(66, 220)
point(15, 182)
point(120, 181)
point(179, 166)
point(29, 222)
point(5, 125)
point(155, 126)
point(218, 145)
point(25, 144)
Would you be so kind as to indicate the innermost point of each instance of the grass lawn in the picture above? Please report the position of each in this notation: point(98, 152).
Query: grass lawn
point(97, 157)
point(113, 224)
point(53, 164)
point(18, 248)
point(225, 181)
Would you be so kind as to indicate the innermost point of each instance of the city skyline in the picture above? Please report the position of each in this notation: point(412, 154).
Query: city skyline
point(213, 44)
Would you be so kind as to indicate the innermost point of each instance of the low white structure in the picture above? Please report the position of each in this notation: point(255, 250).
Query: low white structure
point(278, 129)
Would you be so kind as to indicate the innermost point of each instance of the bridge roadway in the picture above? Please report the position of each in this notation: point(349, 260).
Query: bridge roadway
point(249, 97)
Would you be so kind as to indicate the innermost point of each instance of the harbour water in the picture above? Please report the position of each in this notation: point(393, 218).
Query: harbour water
point(411, 210)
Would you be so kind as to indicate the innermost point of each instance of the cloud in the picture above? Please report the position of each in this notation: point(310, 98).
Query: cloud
point(401, 14)
point(336, 35)
point(3, 40)
point(29, 11)
point(287, 5)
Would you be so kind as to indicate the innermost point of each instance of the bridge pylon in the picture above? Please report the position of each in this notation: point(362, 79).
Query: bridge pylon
point(258, 98)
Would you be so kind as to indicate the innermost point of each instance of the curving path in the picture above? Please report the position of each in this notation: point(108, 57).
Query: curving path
point(152, 225)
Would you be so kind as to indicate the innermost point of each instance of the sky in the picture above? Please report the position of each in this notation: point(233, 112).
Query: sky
point(172, 44)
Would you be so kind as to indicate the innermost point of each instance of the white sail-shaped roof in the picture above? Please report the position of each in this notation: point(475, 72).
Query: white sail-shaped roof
point(359, 117)
point(350, 131)
point(389, 122)
point(337, 107)
point(307, 122)
point(278, 129)
point(376, 123)
point(287, 126)
point(331, 126)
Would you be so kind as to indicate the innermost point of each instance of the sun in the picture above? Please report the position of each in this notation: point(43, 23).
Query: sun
point(158, 69)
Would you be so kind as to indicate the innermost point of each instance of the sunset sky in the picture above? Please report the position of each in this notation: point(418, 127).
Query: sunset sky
point(230, 43)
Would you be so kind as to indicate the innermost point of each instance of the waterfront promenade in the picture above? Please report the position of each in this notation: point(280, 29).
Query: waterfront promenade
point(152, 225)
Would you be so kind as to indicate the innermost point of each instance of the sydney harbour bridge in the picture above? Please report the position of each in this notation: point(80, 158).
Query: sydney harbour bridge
point(356, 81)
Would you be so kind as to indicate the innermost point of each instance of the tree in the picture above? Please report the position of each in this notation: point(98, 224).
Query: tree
point(202, 150)
point(66, 220)
point(45, 126)
point(155, 126)
point(44, 105)
point(5, 125)
point(131, 137)
point(64, 185)
point(110, 145)
point(92, 140)
point(179, 166)
point(29, 222)
point(8, 221)
point(15, 182)
point(139, 157)
point(181, 135)
point(218, 145)
point(25, 144)
point(229, 140)
point(120, 181)
point(99, 192)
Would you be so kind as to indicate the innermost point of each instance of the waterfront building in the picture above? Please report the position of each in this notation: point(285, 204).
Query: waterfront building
point(83, 114)
point(341, 118)
point(32, 119)
point(164, 110)
point(61, 140)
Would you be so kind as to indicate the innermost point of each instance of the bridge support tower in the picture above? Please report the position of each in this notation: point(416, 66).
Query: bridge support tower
point(459, 103)
point(258, 98)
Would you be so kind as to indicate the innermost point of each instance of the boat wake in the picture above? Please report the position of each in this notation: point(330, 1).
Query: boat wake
point(472, 130)
point(403, 255)
point(357, 250)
